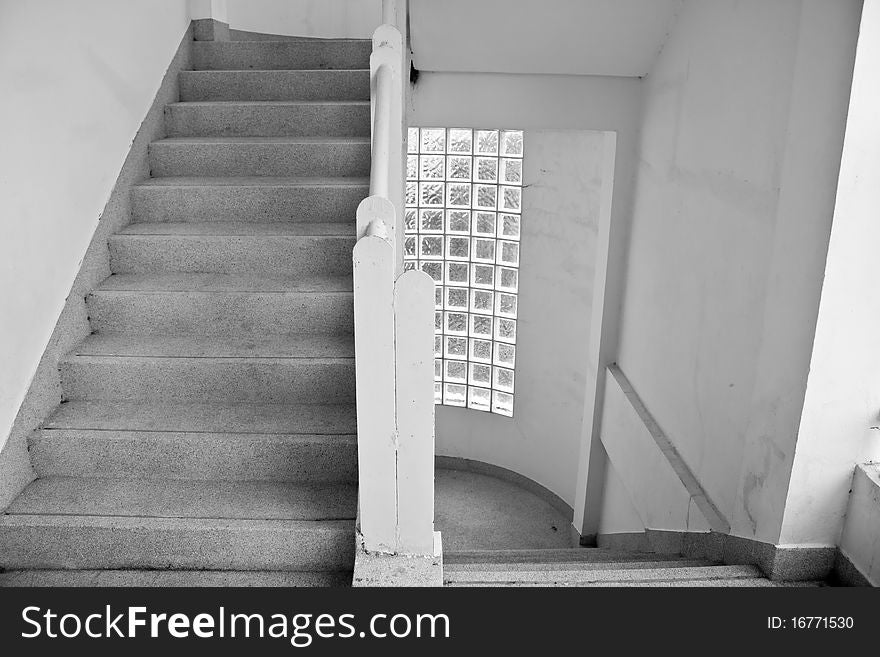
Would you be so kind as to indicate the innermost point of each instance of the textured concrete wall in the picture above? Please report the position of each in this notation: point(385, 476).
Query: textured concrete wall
point(60, 194)
point(740, 145)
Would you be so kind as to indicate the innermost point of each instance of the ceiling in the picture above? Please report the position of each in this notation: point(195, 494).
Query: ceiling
point(573, 37)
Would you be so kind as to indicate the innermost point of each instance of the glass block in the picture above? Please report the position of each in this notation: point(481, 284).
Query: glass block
point(458, 221)
point(432, 167)
point(438, 297)
point(484, 223)
point(508, 253)
point(458, 168)
point(438, 346)
point(412, 167)
point(412, 140)
point(511, 171)
point(483, 250)
point(456, 298)
point(456, 323)
point(409, 248)
point(460, 140)
point(486, 197)
point(433, 140)
point(486, 142)
point(458, 195)
point(430, 221)
point(505, 354)
point(508, 227)
point(507, 279)
point(457, 273)
point(483, 276)
point(411, 264)
point(431, 194)
point(412, 193)
point(511, 198)
point(481, 326)
point(433, 269)
point(505, 330)
point(505, 305)
point(458, 248)
point(438, 322)
point(409, 221)
point(482, 301)
point(479, 399)
point(454, 394)
point(438, 369)
point(438, 393)
point(486, 169)
point(502, 379)
point(455, 371)
point(480, 350)
point(456, 348)
point(430, 246)
point(512, 143)
point(502, 403)
point(480, 375)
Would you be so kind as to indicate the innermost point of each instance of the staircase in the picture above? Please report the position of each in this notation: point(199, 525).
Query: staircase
point(207, 430)
point(592, 567)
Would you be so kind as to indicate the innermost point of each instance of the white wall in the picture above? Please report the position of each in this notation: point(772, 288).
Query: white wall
point(838, 427)
point(77, 80)
point(741, 134)
point(311, 18)
point(535, 103)
point(575, 37)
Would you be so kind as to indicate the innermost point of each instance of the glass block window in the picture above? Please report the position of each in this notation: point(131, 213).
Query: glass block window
point(462, 226)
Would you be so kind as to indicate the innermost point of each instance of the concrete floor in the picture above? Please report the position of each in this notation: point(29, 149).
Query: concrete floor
point(480, 512)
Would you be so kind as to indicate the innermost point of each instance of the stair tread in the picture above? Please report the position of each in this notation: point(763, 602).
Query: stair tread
point(744, 582)
point(261, 140)
point(264, 103)
point(185, 346)
point(173, 498)
point(238, 229)
point(173, 578)
point(254, 181)
point(273, 70)
point(666, 573)
point(315, 420)
point(559, 555)
point(572, 566)
point(186, 282)
point(164, 523)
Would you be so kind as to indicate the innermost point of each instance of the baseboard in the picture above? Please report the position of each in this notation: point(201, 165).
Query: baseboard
point(479, 467)
point(846, 573)
point(208, 29)
point(44, 391)
point(779, 563)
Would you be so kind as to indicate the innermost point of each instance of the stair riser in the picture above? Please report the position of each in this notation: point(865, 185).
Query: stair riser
point(183, 380)
point(334, 159)
point(273, 55)
point(182, 455)
point(261, 255)
point(274, 85)
point(185, 546)
point(219, 313)
point(168, 578)
point(324, 120)
point(329, 203)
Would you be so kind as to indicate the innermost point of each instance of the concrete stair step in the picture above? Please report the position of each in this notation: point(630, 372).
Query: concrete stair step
point(170, 498)
point(164, 375)
point(587, 575)
point(756, 582)
point(335, 118)
point(547, 556)
point(113, 542)
point(573, 566)
point(287, 54)
point(246, 442)
point(253, 199)
point(277, 249)
point(221, 304)
point(172, 578)
point(260, 156)
point(318, 84)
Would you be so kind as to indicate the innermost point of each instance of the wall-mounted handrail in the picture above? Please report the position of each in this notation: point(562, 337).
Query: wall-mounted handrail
point(394, 335)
